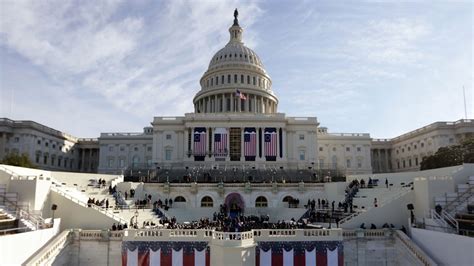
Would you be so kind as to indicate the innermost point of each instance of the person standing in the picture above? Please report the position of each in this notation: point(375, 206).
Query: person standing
point(386, 182)
point(375, 202)
point(107, 204)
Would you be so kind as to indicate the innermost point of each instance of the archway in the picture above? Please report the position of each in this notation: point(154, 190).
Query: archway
point(235, 204)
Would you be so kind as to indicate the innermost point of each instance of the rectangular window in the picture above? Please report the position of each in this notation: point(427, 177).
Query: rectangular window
point(168, 136)
point(348, 163)
point(248, 79)
point(59, 161)
point(228, 79)
point(301, 137)
point(409, 162)
point(242, 79)
point(359, 163)
point(122, 163)
point(122, 148)
point(302, 155)
point(416, 161)
point(320, 148)
point(235, 78)
point(254, 81)
point(348, 149)
point(222, 79)
point(148, 148)
point(358, 149)
point(111, 148)
point(404, 165)
point(168, 155)
point(111, 163)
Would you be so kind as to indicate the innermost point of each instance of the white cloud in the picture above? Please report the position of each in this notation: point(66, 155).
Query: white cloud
point(146, 65)
point(389, 41)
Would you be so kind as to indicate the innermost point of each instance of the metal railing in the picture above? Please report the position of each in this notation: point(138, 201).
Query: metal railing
point(445, 221)
point(84, 204)
point(452, 206)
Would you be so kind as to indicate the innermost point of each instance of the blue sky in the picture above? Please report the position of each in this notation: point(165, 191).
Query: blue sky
point(379, 67)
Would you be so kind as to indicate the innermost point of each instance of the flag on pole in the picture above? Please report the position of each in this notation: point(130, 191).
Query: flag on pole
point(240, 95)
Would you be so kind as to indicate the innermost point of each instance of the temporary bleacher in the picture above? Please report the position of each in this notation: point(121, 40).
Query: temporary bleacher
point(457, 209)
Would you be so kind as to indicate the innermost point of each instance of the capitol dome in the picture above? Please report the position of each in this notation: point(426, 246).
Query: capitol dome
point(236, 80)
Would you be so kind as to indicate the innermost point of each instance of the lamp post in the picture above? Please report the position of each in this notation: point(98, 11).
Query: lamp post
point(54, 207)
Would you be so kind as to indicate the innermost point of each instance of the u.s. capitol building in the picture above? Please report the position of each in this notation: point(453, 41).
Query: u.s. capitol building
point(235, 124)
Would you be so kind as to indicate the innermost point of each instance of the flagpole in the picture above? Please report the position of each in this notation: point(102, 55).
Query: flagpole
point(464, 94)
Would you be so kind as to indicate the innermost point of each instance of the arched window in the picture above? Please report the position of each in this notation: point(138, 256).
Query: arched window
point(334, 161)
point(261, 201)
point(179, 199)
point(287, 199)
point(207, 202)
point(135, 161)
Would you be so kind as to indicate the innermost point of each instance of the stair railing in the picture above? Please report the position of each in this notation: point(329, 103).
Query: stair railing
point(453, 205)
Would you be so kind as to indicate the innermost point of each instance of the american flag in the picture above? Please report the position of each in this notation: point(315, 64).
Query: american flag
point(220, 142)
point(240, 95)
point(250, 142)
point(200, 141)
point(270, 146)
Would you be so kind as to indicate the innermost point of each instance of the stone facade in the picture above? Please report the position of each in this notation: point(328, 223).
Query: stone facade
point(349, 151)
point(47, 148)
point(405, 153)
point(119, 151)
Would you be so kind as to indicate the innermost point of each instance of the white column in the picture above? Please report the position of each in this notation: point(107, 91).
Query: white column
point(255, 103)
point(257, 155)
point(232, 102)
point(285, 157)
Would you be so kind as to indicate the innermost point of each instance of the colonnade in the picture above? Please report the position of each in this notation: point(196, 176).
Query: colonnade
point(229, 102)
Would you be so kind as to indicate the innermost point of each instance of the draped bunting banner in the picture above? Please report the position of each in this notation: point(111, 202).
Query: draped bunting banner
point(144, 253)
point(220, 142)
point(300, 253)
point(200, 141)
